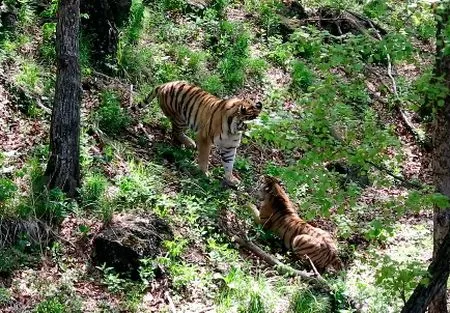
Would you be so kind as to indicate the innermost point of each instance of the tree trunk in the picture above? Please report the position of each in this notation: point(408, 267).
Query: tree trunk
point(434, 293)
point(441, 149)
point(63, 168)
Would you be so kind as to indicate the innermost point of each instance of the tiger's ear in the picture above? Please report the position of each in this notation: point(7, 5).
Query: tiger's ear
point(258, 105)
point(242, 109)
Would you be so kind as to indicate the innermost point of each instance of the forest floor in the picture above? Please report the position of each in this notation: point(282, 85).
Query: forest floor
point(312, 86)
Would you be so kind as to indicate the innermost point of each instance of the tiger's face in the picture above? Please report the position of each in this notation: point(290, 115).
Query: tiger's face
point(249, 110)
point(266, 185)
point(246, 111)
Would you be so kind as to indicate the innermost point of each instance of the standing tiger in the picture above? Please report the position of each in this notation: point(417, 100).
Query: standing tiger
point(277, 213)
point(216, 121)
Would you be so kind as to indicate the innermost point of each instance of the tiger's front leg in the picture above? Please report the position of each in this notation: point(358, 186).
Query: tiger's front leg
point(227, 155)
point(255, 212)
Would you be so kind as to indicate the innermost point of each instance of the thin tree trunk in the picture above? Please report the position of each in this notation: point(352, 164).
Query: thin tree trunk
point(441, 149)
point(63, 168)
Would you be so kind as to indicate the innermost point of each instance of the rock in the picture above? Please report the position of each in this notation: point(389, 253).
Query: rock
point(128, 239)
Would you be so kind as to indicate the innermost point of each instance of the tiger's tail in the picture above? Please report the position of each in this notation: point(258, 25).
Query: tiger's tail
point(147, 100)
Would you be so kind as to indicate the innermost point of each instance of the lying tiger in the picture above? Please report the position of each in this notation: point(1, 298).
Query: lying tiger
point(277, 213)
point(216, 121)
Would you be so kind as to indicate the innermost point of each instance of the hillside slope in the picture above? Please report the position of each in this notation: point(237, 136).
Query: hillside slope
point(332, 129)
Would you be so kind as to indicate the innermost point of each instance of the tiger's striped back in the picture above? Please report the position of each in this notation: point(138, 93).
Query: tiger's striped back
point(278, 214)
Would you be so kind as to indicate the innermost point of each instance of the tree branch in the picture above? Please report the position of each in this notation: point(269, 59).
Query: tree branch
point(280, 267)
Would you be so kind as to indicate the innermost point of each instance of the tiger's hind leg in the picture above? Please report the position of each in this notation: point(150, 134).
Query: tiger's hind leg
point(179, 136)
point(306, 246)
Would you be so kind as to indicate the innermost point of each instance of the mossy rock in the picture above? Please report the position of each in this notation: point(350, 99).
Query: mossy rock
point(129, 238)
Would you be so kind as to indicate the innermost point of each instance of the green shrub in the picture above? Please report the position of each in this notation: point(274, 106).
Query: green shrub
point(220, 6)
point(213, 84)
point(399, 279)
point(5, 296)
point(112, 118)
point(232, 51)
point(256, 67)
point(305, 301)
point(174, 5)
point(47, 48)
point(93, 190)
point(135, 25)
point(112, 280)
point(7, 189)
point(52, 305)
point(255, 304)
point(302, 76)
point(191, 62)
point(376, 8)
point(279, 53)
point(29, 76)
point(14, 257)
point(85, 54)
point(269, 15)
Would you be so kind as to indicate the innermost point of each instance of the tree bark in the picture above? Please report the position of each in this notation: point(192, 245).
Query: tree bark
point(63, 168)
point(441, 149)
point(434, 294)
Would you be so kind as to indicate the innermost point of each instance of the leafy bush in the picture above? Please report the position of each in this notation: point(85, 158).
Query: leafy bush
point(29, 76)
point(230, 44)
point(213, 84)
point(112, 118)
point(399, 279)
point(14, 257)
point(256, 67)
point(5, 296)
point(174, 5)
point(279, 53)
point(47, 49)
point(135, 25)
point(219, 6)
point(52, 305)
point(269, 15)
point(111, 279)
point(306, 301)
point(93, 190)
point(7, 190)
point(376, 8)
point(302, 76)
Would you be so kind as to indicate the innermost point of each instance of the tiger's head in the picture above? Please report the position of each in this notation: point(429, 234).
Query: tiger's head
point(249, 110)
point(271, 189)
point(246, 110)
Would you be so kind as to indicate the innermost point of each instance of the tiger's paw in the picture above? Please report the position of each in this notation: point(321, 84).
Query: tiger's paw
point(190, 144)
point(231, 181)
point(185, 140)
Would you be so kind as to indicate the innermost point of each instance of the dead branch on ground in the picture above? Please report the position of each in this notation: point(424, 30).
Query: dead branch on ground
point(279, 266)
